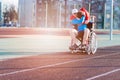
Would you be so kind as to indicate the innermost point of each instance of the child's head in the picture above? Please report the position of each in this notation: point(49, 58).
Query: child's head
point(74, 11)
point(79, 14)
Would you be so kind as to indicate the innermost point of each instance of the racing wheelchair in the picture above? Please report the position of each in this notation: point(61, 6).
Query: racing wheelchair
point(91, 46)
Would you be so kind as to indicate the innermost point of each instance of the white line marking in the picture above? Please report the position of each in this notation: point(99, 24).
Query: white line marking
point(41, 67)
point(25, 56)
point(104, 74)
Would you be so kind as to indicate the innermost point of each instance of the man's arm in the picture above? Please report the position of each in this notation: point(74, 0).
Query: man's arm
point(78, 21)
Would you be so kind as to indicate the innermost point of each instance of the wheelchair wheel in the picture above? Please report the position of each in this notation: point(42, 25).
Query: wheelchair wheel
point(93, 43)
point(91, 48)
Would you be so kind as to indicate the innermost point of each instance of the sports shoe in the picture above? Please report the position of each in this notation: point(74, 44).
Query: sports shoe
point(83, 46)
point(73, 47)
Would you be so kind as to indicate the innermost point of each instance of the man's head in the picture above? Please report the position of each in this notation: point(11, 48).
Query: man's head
point(82, 10)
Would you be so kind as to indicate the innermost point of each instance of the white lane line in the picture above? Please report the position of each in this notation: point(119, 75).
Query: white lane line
point(16, 57)
point(52, 65)
point(104, 74)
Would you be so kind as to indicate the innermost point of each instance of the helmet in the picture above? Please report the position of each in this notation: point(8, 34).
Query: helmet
point(74, 11)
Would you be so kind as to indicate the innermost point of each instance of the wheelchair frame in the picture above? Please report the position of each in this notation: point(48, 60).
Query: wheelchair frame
point(91, 47)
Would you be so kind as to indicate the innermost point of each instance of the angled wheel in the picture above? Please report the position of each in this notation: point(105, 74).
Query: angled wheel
point(93, 43)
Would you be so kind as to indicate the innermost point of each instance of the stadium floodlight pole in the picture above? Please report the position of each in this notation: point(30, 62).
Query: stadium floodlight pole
point(104, 14)
point(89, 7)
point(46, 15)
point(60, 14)
point(65, 13)
point(33, 12)
point(111, 24)
point(75, 6)
point(89, 4)
point(19, 14)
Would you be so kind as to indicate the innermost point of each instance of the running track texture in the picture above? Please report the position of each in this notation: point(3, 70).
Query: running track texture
point(104, 65)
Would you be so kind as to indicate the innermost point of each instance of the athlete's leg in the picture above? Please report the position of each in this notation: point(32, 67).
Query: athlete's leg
point(85, 37)
point(73, 34)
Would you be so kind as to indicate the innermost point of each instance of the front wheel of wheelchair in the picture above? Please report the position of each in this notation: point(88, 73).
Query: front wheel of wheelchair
point(93, 43)
point(91, 48)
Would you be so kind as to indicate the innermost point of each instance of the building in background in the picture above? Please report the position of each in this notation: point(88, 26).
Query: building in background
point(26, 9)
point(56, 13)
point(116, 22)
point(101, 9)
point(0, 12)
point(46, 13)
point(96, 8)
point(5, 13)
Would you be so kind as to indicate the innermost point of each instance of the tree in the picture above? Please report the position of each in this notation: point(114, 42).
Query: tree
point(10, 14)
point(13, 14)
point(6, 15)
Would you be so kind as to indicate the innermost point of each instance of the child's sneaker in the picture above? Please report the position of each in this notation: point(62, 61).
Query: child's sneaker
point(83, 46)
point(73, 47)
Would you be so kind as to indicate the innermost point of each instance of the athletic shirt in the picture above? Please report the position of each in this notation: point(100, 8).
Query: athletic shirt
point(80, 21)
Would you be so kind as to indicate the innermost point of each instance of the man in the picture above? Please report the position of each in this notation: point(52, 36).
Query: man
point(87, 20)
point(81, 27)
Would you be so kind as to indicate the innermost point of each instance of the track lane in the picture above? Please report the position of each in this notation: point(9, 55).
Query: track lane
point(86, 65)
